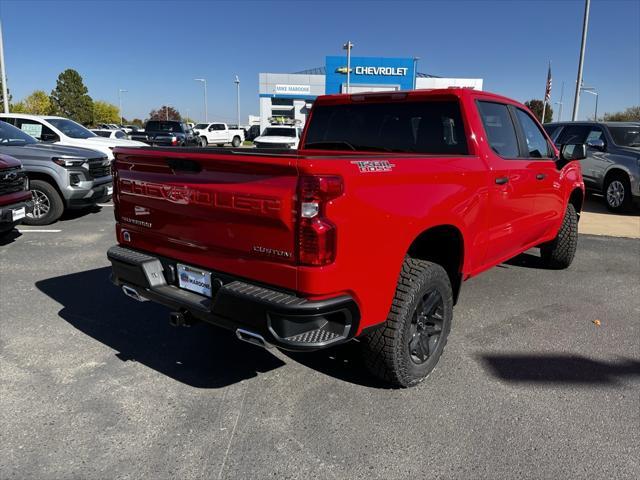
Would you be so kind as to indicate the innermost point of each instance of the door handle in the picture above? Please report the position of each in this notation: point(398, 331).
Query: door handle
point(541, 176)
point(502, 180)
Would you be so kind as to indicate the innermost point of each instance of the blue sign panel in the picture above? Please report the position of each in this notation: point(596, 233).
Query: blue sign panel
point(369, 71)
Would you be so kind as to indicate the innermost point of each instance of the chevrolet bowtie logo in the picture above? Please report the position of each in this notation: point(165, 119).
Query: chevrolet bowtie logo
point(344, 70)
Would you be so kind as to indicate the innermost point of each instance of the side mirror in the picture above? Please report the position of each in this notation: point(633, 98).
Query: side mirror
point(596, 144)
point(49, 137)
point(573, 151)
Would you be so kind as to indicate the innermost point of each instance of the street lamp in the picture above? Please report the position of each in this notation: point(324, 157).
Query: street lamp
point(415, 70)
point(592, 91)
point(348, 46)
point(120, 92)
point(206, 113)
point(237, 82)
point(3, 75)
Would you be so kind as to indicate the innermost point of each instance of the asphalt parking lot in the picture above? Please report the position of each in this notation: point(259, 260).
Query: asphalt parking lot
point(96, 385)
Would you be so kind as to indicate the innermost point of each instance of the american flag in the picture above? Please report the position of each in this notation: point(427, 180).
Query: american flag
point(547, 92)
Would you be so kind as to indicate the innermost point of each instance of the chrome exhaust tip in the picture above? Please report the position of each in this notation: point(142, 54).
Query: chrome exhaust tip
point(133, 293)
point(253, 338)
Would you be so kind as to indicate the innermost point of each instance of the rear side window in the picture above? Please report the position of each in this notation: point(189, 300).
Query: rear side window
point(500, 130)
point(431, 127)
point(537, 146)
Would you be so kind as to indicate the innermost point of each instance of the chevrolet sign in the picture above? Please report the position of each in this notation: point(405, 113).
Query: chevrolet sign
point(386, 71)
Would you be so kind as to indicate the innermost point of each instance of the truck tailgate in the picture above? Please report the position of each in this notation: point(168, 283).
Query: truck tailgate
point(222, 211)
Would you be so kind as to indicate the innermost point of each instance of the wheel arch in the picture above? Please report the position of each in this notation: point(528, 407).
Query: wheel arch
point(444, 245)
point(614, 170)
point(577, 200)
point(37, 175)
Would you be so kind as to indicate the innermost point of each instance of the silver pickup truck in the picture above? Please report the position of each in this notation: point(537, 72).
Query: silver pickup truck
point(612, 166)
point(60, 177)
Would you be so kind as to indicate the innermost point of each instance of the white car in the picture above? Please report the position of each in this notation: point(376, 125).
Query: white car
point(62, 131)
point(279, 136)
point(103, 132)
point(218, 134)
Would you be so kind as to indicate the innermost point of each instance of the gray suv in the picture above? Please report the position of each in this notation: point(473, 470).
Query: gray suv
point(612, 166)
point(59, 177)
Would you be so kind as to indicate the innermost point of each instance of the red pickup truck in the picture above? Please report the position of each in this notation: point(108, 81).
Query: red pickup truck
point(367, 231)
point(15, 197)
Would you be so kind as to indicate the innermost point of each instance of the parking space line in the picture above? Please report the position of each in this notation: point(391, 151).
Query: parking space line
point(105, 204)
point(38, 231)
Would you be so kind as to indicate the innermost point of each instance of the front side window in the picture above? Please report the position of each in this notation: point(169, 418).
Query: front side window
point(501, 133)
point(10, 135)
point(428, 127)
point(71, 128)
point(537, 146)
point(120, 134)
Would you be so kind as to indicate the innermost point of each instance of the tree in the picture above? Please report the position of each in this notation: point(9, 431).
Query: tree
point(536, 107)
point(188, 120)
point(631, 114)
point(165, 112)
point(38, 103)
point(105, 112)
point(70, 98)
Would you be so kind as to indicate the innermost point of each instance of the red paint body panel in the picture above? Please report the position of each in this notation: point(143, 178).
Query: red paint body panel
point(217, 217)
point(6, 162)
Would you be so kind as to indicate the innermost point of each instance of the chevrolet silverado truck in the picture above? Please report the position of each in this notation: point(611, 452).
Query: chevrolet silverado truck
point(15, 198)
point(167, 134)
point(367, 231)
point(219, 134)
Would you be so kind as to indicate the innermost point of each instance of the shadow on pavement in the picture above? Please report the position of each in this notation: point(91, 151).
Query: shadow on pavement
point(9, 237)
point(553, 369)
point(527, 260)
point(595, 204)
point(72, 214)
point(201, 356)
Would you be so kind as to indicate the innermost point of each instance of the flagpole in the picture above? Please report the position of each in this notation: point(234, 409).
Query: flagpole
point(546, 89)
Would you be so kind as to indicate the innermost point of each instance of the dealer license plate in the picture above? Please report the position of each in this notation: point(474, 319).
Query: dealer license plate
point(18, 213)
point(194, 279)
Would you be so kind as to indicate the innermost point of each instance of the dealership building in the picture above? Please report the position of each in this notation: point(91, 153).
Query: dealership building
point(289, 96)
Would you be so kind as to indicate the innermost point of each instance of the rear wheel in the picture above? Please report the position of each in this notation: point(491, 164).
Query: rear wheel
point(617, 192)
point(47, 204)
point(406, 350)
point(236, 142)
point(559, 252)
point(203, 141)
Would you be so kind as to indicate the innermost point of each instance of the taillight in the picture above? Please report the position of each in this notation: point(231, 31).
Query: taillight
point(316, 234)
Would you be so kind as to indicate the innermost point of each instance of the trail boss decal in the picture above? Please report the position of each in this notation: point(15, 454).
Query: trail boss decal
point(369, 166)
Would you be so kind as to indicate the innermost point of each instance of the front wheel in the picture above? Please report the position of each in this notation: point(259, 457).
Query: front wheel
point(406, 350)
point(559, 252)
point(236, 142)
point(617, 193)
point(47, 204)
point(203, 141)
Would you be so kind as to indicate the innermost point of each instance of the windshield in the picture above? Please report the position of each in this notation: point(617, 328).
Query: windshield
point(430, 127)
point(70, 128)
point(279, 132)
point(200, 126)
point(10, 135)
point(626, 136)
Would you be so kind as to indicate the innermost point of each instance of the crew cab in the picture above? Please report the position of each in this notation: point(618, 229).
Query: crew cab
point(219, 134)
point(366, 231)
point(15, 198)
point(169, 133)
point(65, 132)
point(279, 136)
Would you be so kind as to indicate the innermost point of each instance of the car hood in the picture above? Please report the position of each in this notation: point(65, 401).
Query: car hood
point(115, 142)
point(8, 162)
point(45, 150)
point(275, 139)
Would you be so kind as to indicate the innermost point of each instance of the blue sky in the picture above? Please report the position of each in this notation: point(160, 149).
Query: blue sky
point(155, 48)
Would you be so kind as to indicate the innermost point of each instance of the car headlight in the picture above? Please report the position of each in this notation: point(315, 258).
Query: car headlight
point(68, 162)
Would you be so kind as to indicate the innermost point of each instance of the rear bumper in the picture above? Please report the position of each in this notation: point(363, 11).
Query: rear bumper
point(280, 318)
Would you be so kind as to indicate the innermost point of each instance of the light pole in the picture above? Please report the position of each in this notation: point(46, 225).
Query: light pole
point(585, 27)
point(592, 91)
point(560, 103)
point(237, 82)
point(415, 70)
point(348, 46)
point(3, 75)
point(120, 92)
point(206, 113)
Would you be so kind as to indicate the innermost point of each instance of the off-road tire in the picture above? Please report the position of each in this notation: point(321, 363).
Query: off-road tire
point(56, 205)
point(386, 350)
point(235, 143)
point(559, 252)
point(627, 199)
